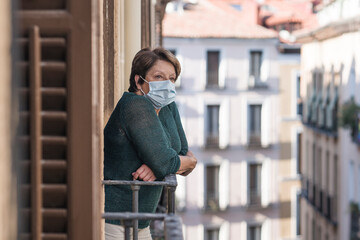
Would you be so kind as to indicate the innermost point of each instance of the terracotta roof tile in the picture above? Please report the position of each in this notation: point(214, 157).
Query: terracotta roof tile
point(214, 19)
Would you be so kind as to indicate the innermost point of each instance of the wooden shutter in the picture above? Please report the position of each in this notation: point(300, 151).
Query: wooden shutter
point(58, 126)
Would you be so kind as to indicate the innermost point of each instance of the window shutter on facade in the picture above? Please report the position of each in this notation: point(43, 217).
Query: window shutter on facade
point(201, 177)
point(224, 122)
point(265, 183)
point(244, 183)
point(180, 193)
point(43, 119)
point(224, 185)
point(56, 124)
point(266, 123)
point(266, 230)
point(224, 231)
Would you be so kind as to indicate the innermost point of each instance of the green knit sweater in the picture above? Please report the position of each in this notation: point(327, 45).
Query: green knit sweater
point(135, 135)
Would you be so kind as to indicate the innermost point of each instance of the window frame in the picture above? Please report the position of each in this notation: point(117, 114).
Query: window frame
point(209, 72)
point(224, 121)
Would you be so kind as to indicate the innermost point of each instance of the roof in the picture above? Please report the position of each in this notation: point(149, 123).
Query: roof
point(215, 19)
point(276, 12)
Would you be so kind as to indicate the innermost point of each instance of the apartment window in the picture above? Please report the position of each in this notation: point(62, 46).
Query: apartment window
point(333, 207)
point(314, 162)
point(319, 168)
point(255, 183)
point(314, 230)
point(312, 189)
point(298, 214)
point(298, 153)
point(213, 68)
point(327, 181)
point(331, 117)
point(255, 124)
point(299, 103)
point(254, 232)
point(213, 133)
point(319, 233)
point(212, 187)
point(212, 233)
point(255, 68)
point(358, 186)
point(307, 231)
point(323, 109)
point(308, 159)
point(173, 51)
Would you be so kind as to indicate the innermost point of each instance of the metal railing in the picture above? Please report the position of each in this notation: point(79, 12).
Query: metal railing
point(172, 223)
point(324, 203)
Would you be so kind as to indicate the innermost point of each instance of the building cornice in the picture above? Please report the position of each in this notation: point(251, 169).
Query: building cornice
point(330, 30)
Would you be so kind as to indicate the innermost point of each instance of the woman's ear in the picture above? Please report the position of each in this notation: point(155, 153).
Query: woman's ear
point(137, 77)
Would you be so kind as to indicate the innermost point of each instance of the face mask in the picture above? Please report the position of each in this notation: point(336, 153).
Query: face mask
point(161, 93)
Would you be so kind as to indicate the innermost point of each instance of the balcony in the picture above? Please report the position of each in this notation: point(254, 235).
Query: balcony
point(172, 223)
point(212, 202)
point(254, 83)
point(212, 142)
point(321, 201)
point(321, 117)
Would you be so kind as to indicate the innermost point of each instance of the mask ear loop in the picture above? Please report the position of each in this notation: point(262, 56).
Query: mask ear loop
point(146, 82)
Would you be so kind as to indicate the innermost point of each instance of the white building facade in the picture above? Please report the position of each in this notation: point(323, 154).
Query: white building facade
point(232, 124)
point(330, 64)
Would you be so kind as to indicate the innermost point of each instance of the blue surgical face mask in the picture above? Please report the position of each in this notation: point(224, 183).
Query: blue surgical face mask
point(161, 93)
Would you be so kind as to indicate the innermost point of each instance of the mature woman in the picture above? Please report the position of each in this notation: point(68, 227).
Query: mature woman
point(144, 138)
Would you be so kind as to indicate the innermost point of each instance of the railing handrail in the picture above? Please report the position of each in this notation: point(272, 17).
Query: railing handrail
point(169, 181)
point(131, 218)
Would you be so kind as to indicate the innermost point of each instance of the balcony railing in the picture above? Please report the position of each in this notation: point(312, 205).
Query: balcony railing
point(255, 197)
point(322, 118)
point(212, 201)
point(321, 201)
point(172, 223)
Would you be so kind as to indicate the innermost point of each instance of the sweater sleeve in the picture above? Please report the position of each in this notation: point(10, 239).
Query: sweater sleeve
point(184, 143)
point(144, 130)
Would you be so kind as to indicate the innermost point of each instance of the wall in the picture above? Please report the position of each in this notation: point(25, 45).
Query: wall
point(234, 97)
point(7, 175)
point(345, 61)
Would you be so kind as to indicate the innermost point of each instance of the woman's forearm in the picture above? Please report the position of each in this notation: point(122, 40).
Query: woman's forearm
point(187, 164)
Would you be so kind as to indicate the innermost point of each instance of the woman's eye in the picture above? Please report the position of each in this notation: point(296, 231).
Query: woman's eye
point(158, 77)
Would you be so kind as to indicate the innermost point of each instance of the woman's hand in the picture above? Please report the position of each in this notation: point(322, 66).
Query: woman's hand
point(187, 164)
point(144, 173)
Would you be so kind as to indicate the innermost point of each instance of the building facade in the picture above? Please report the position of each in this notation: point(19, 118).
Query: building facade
point(330, 148)
point(238, 96)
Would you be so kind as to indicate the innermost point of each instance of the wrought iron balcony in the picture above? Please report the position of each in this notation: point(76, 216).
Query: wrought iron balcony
point(320, 200)
point(172, 222)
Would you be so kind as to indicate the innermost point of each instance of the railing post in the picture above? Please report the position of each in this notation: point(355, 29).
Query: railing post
point(173, 228)
point(170, 190)
point(127, 225)
point(171, 199)
point(135, 207)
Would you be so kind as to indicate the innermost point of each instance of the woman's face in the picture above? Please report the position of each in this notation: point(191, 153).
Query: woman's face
point(160, 71)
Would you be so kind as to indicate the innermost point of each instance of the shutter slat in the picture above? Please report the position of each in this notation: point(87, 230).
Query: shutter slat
point(54, 236)
point(47, 114)
point(54, 42)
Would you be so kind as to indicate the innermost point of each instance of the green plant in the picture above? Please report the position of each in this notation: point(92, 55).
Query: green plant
point(354, 207)
point(350, 115)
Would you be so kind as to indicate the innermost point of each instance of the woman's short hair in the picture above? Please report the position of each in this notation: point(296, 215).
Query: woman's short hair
point(145, 59)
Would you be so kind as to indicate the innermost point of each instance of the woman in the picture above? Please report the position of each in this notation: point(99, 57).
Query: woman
point(144, 138)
